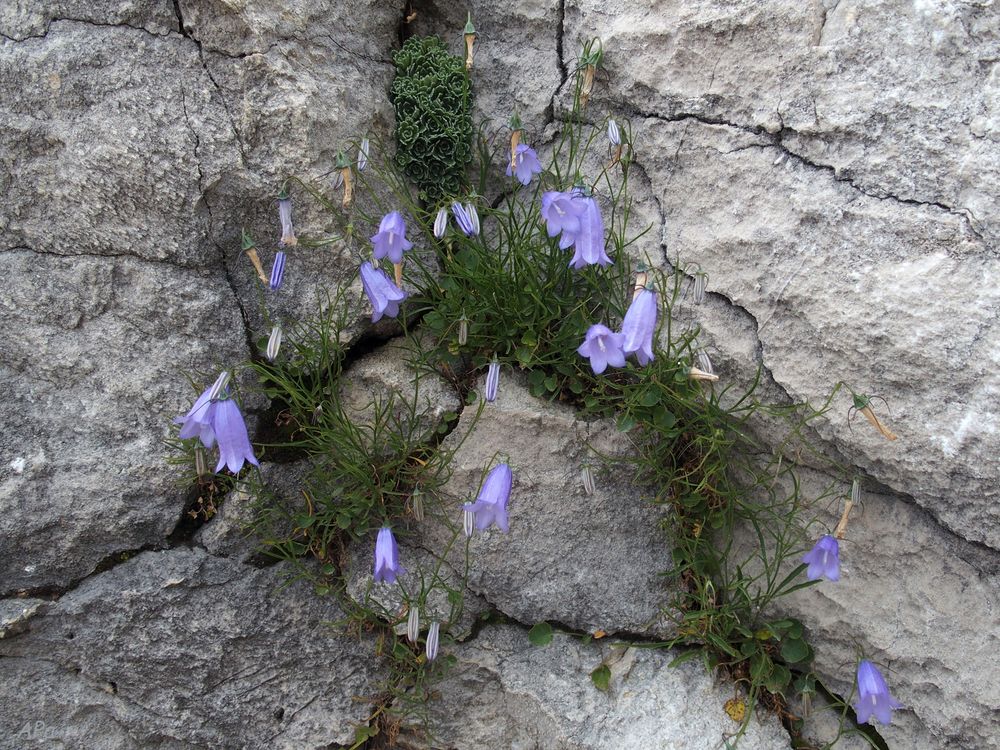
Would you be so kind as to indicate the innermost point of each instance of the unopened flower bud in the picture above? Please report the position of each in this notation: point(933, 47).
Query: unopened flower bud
point(468, 519)
point(433, 635)
point(413, 624)
point(856, 491)
point(220, 384)
point(587, 474)
point(704, 363)
point(277, 271)
point(492, 381)
point(699, 287)
point(470, 40)
point(441, 223)
point(285, 216)
point(614, 134)
point(463, 330)
point(363, 155)
point(417, 500)
point(273, 344)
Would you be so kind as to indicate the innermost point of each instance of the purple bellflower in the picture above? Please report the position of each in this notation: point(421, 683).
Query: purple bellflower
point(588, 245)
point(198, 422)
point(563, 213)
point(466, 217)
point(492, 381)
point(491, 505)
point(382, 293)
point(277, 271)
point(390, 240)
point(604, 347)
point(873, 695)
point(525, 163)
point(285, 216)
point(639, 325)
point(231, 432)
point(387, 565)
point(823, 559)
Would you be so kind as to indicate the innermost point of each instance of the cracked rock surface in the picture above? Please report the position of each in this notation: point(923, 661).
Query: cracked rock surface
point(182, 649)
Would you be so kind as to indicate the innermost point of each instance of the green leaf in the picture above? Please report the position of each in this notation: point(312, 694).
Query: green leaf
point(523, 356)
point(649, 398)
point(761, 667)
point(576, 386)
point(535, 377)
point(601, 677)
point(795, 650)
point(551, 383)
point(540, 634)
point(305, 521)
point(779, 679)
point(664, 418)
point(626, 422)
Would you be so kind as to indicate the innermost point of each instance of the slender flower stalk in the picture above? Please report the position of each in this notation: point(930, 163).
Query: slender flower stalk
point(639, 326)
point(273, 344)
point(823, 559)
point(441, 223)
point(277, 271)
point(413, 624)
point(491, 505)
point(874, 698)
point(470, 40)
point(285, 217)
point(382, 293)
point(492, 381)
point(231, 434)
point(387, 565)
point(603, 347)
point(250, 248)
point(345, 172)
point(433, 636)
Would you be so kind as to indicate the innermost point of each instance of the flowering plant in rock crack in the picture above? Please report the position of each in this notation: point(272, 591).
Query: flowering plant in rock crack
point(540, 277)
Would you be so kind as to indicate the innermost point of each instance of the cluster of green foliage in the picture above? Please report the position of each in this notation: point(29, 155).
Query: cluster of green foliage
point(432, 96)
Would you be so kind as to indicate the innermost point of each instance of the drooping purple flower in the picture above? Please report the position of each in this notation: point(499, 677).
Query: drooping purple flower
point(491, 504)
point(588, 243)
point(525, 162)
point(466, 217)
point(390, 240)
point(387, 565)
point(639, 326)
point(604, 347)
point(492, 381)
point(562, 212)
point(384, 295)
point(873, 695)
point(198, 421)
point(441, 223)
point(823, 559)
point(433, 635)
point(285, 216)
point(277, 271)
point(231, 432)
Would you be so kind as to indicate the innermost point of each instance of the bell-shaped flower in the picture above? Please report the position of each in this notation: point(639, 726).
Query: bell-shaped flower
point(492, 381)
point(231, 433)
point(390, 240)
point(387, 565)
point(491, 504)
point(198, 421)
point(525, 164)
point(873, 695)
point(562, 212)
point(639, 326)
point(441, 223)
point(285, 217)
point(823, 559)
point(277, 271)
point(382, 293)
point(588, 244)
point(466, 217)
point(603, 347)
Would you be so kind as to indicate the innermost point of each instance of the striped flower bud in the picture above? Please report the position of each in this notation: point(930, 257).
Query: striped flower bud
point(468, 519)
point(492, 381)
point(587, 474)
point(433, 635)
point(463, 330)
point(413, 624)
point(441, 223)
point(363, 155)
point(417, 501)
point(277, 271)
point(273, 344)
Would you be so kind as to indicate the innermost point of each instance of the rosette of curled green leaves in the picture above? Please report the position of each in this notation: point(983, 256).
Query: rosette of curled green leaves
point(433, 101)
